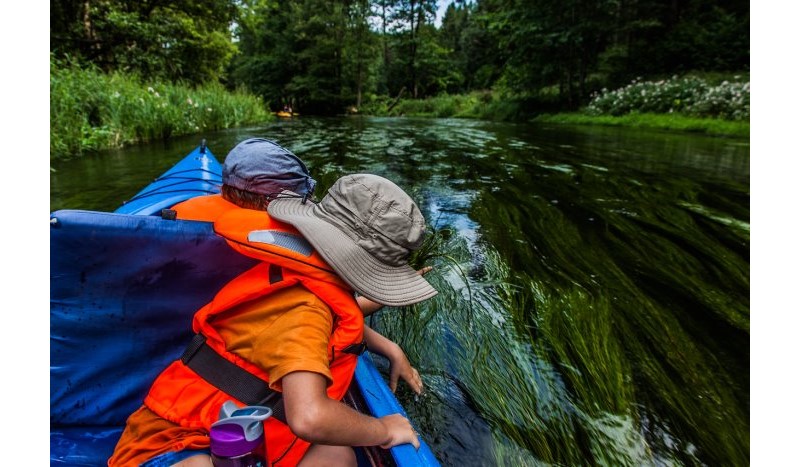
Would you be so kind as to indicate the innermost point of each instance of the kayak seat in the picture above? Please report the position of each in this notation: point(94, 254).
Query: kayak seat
point(123, 290)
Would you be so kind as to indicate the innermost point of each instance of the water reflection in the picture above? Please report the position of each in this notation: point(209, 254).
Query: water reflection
point(594, 306)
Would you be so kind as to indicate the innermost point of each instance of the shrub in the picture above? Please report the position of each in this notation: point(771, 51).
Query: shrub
point(730, 101)
point(91, 110)
point(689, 95)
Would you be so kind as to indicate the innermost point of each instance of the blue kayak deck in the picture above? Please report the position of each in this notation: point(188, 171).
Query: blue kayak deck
point(197, 174)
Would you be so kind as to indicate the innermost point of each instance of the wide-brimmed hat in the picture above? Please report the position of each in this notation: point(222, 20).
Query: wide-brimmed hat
point(365, 227)
point(262, 166)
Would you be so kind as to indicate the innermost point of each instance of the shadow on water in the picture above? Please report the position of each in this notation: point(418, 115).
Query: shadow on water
point(594, 282)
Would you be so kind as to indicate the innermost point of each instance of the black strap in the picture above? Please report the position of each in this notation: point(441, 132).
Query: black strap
point(356, 349)
point(231, 378)
point(275, 273)
point(235, 380)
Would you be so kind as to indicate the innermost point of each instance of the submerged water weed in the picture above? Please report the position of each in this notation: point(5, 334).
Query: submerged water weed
point(463, 340)
point(517, 387)
point(568, 379)
point(590, 366)
point(637, 306)
point(589, 362)
point(447, 254)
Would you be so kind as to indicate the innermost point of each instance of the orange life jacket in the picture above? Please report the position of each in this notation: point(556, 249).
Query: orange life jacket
point(181, 396)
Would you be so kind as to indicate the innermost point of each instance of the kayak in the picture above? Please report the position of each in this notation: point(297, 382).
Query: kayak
point(124, 286)
point(197, 174)
point(284, 114)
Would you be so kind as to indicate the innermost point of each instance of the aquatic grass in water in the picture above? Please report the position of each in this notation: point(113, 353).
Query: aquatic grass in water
point(645, 282)
point(513, 386)
point(580, 384)
point(583, 346)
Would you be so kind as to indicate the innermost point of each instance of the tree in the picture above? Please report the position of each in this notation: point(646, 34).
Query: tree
point(178, 41)
point(551, 43)
point(409, 16)
point(317, 54)
point(360, 50)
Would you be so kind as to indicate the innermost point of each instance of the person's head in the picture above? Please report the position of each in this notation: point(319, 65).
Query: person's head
point(256, 170)
point(365, 228)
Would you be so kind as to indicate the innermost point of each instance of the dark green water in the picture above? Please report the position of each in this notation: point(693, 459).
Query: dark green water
point(594, 305)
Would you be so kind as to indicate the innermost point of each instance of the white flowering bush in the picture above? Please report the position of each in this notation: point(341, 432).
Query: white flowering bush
point(728, 100)
point(689, 96)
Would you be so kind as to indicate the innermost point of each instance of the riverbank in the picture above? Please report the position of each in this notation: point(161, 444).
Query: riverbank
point(673, 122)
point(716, 105)
point(91, 110)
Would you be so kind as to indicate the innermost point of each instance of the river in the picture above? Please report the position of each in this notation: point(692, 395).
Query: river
point(594, 282)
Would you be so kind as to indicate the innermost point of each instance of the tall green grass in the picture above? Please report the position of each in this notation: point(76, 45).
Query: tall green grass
point(91, 110)
point(667, 121)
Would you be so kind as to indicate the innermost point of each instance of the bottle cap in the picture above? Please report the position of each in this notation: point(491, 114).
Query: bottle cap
point(238, 430)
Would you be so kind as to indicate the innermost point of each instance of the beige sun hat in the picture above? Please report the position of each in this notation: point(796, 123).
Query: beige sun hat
point(365, 227)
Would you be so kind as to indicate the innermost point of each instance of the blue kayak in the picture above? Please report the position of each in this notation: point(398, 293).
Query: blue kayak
point(197, 174)
point(123, 289)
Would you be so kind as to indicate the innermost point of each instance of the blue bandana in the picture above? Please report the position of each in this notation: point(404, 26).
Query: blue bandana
point(262, 166)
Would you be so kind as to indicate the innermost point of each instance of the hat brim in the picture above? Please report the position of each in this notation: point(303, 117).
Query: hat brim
point(382, 283)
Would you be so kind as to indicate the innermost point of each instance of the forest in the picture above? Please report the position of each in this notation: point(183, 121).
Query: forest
point(327, 55)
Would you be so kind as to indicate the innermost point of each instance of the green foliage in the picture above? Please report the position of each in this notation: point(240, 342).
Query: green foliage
point(172, 41)
point(487, 105)
point(580, 46)
point(578, 369)
point(327, 56)
point(711, 35)
point(689, 95)
point(324, 56)
point(317, 55)
point(440, 106)
point(673, 121)
point(91, 110)
point(435, 73)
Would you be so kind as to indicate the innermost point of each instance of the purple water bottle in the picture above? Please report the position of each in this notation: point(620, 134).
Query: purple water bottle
point(237, 438)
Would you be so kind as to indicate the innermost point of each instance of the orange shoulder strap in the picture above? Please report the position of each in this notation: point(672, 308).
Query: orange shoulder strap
point(203, 208)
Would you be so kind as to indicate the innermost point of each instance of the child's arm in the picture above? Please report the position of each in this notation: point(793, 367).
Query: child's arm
point(399, 366)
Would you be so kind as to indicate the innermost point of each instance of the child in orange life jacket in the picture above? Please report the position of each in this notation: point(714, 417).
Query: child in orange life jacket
point(155, 434)
point(366, 228)
point(258, 169)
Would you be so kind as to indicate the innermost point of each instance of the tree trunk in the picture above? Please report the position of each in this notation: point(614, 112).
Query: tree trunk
point(413, 52)
point(87, 21)
point(359, 81)
point(385, 48)
point(396, 99)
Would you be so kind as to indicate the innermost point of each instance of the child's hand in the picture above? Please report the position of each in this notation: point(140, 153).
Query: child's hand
point(400, 367)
